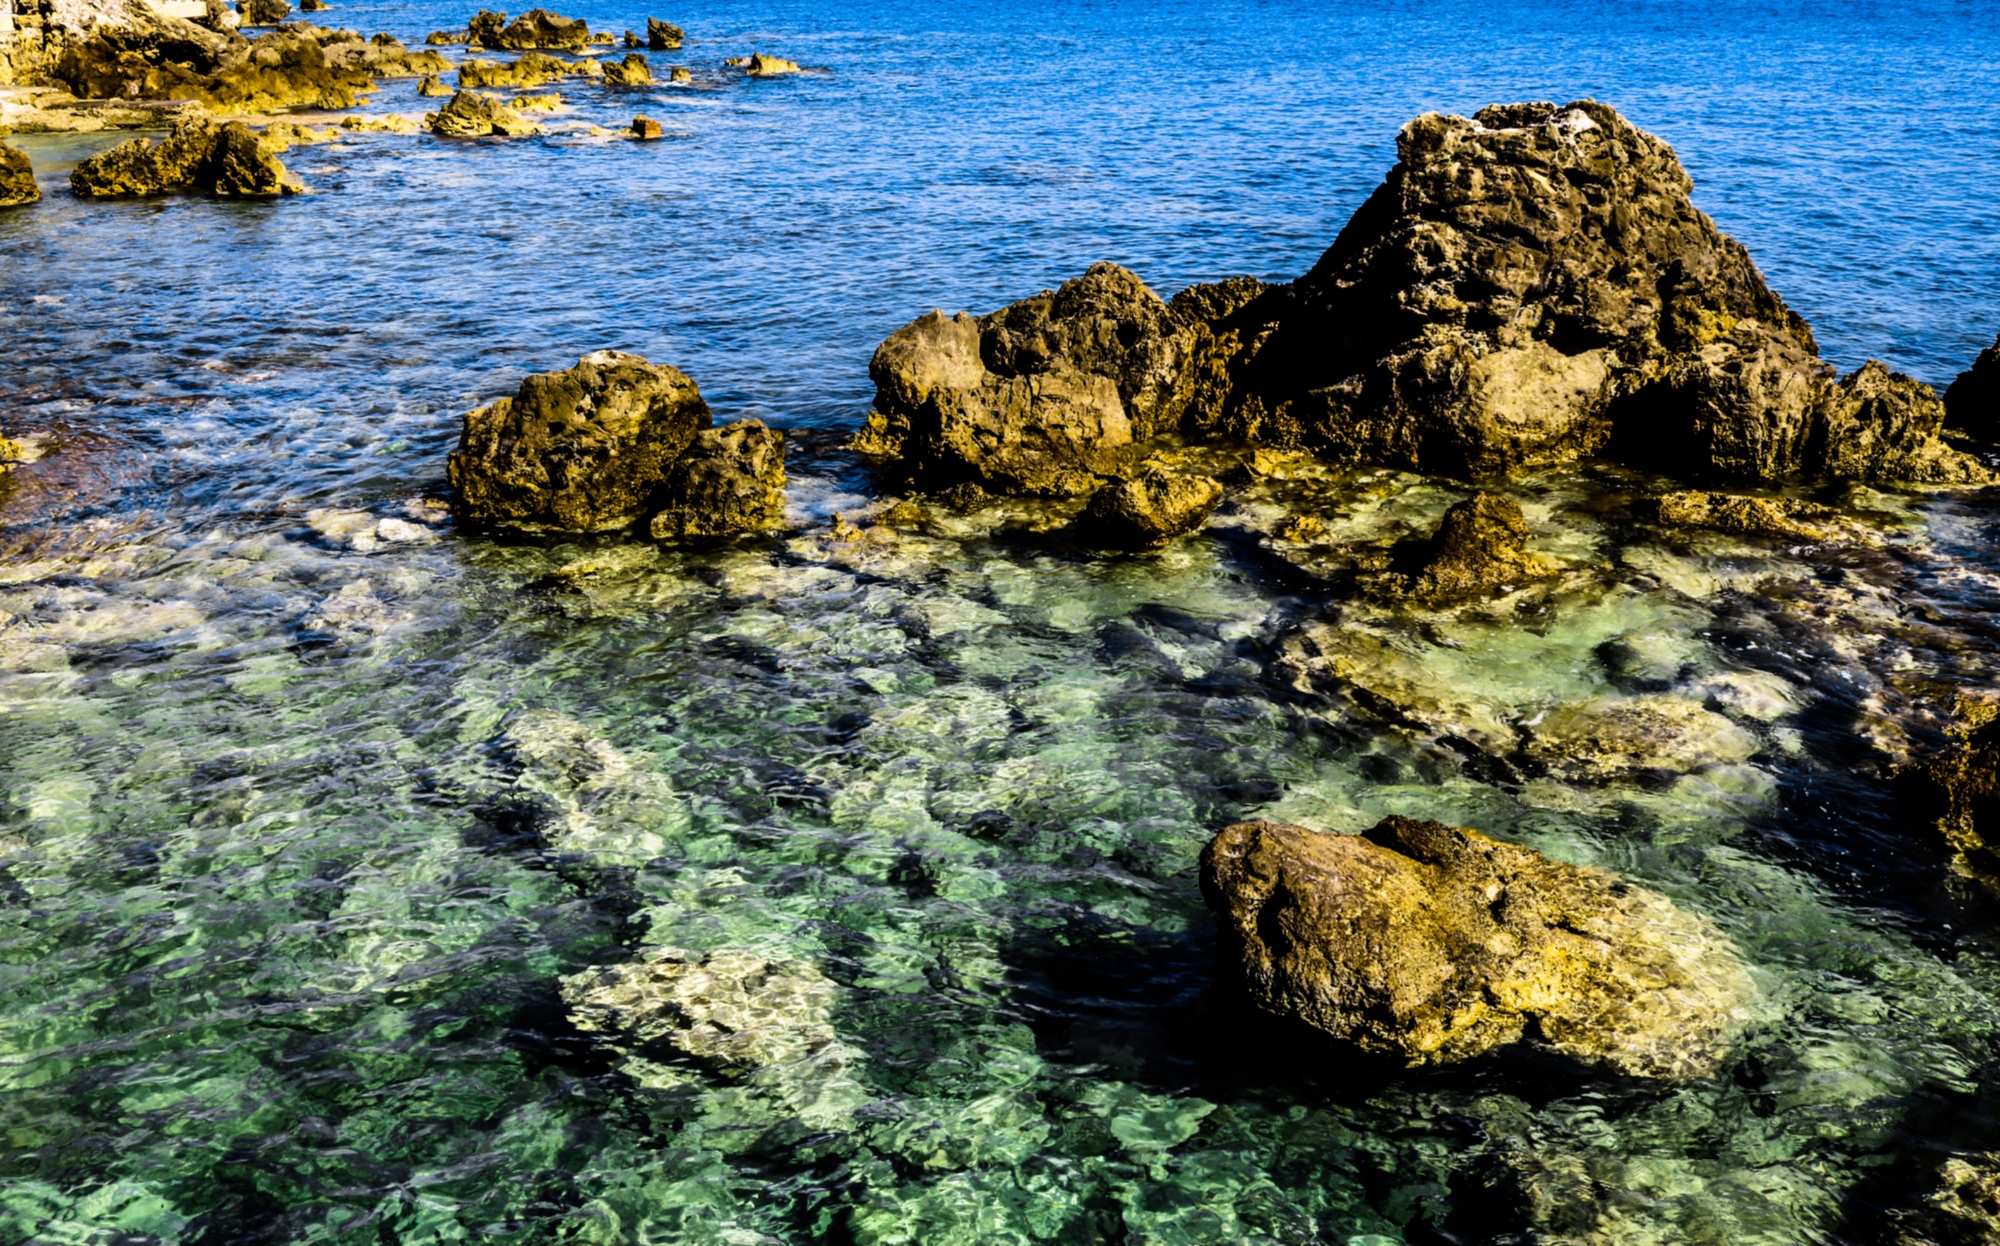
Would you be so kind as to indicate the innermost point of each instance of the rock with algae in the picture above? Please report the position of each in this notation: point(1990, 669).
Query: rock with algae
point(1147, 510)
point(17, 178)
point(728, 480)
point(1430, 943)
point(579, 450)
point(1480, 547)
point(602, 801)
point(1958, 790)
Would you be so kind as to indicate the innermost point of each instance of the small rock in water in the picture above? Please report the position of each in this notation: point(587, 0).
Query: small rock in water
point(645, 127)
point(1480, 547)
point(1146, 511)
point(662, 36)
point(1600, 740)
point(536, 103)
point(728, 480)
point(1430, 943)
point(444, 38)
point(633, 71)
point(313, 6)
point(433, 87)
point(762, 66)
point(17, 178)
point(681, 74)
point(539, 29)
point(471, 114)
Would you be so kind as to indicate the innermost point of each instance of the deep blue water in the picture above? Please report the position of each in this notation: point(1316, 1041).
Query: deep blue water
point(277, 964)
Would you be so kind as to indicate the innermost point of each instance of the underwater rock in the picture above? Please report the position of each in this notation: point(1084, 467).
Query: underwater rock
point(1958, 791)
point(762, 66)
point(1785, 518)
point(633, 71)
point(1390, 679)
point(580, 450)
point(17, 178)
point(471, 114)
point(731, 1009)
point(197, 154)
point(539, 29)
point(433, 87)
point(662, 36)
point(1480, 547)
point(1042, 397)
point(1145, 511)
point(1599, 740)
point(728, 480)
point(264, 12)
point(603, 802)
point(1964, 1208)
point(1972, 403)
point(1881, 425)
point(1430, 943)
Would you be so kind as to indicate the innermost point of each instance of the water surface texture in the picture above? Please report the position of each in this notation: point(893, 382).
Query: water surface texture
point(288, 881)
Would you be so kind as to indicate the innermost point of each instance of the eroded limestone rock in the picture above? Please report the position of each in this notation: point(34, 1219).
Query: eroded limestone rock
point(762, 66)
point(530, 70)
point(472, 114)
point(1881, 425)
point(1603, 739)
point(728, 480)
point(633, 71)
point(198, 154)
point(1784, 518)
point(433, 87)
point(1480, 547)
point(1429, 943)
point(1964, 1208)
point(1147, 510)
point(662, 36)
point(264, 12)
point(580, 450)
point(538, 29)
point(17, 178)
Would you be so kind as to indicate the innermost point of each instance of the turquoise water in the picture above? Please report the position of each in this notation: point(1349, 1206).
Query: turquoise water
point(307, 816)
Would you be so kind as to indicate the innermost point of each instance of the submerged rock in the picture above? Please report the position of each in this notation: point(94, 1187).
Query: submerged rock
point(1958, 791)
point(1600, 740)
point(198, 154)
point(732, 1009)
point(762, 66)
point(633, 71)
point(1972, 403)
point(728, 480)
point(17, 178)
point(1964, 1207)
point(538, 29)
point(1043, 397)
point(600, 800)
point(471, 114)
point(1145, 511)
point(1481, 546)
point(1429, 943)
point(1785, 518)
point(580, 450)
point(662, 36)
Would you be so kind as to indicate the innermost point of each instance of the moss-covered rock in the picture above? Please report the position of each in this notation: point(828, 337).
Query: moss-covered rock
point(17, 178)
point(1145, 511)
point(580, 450)
point(1964, 1207)
point(1429, 943)
point(728, 480)
point(471, 114)
point(1881, 425)
point(1611, 738)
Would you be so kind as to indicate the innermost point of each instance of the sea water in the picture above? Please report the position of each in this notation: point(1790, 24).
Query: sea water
point(282, 916)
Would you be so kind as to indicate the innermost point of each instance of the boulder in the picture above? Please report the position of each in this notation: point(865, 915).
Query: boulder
point(1780, 517)
point(1146, 511)
point(485, 28)
point(264, 12)
point(728, 480)
point(1428, 943)
point(762, 66)
point(313, 6)
point(1972, 403)
point(646, 128)
point(580, 450)
point(1045, 396)
point(198, 154)
point(541, 29)
point(433, 87)
point(1881, 425)
point(633, 71)
point(17, 178)
point(383, 56)
point(662, 36)
point(1480, 547)
point(1958, 791)
point(681, 75)
point(471, 114)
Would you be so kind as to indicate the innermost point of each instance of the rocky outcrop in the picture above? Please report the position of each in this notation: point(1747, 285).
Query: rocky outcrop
point(198, 154)
point(581, 450)
point(1881, 425)
point(662, 36)
point(264, 12)
point(531, 70)
point(1480, 547)
point(538, 29)
point(364, 60)
point(1043, 397)
point(1958, 791)
point(1428, 943)
point(314, 6)
point(159, 59)
point(433, 87)
point(471, 114)
point(485, 28)
point(1972, 403)
point(728, 480)
point(1146, 511)
point(1779, 517)
point(17, 178)
point(633, 71)
point(762, 66)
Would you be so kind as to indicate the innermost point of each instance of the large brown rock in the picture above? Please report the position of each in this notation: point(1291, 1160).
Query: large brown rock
point(1045, 396)
point(539, 29)
point(580, 450)
point(1429, 943)
point(1972, 403)
point(1881, 425)
point(728, 480)
point(198, 154)
point(17, 178)
point(264, 12)
point(1148, 510)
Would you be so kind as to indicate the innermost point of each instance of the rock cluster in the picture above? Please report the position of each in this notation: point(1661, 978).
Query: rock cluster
point(199, 154)
point(471, 114)
point(1958, 791)
point(537, 29)
point(17, 178)
point(530, 70)
point(1428, 943)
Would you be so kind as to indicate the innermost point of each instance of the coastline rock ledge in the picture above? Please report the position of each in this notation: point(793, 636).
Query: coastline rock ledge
point(1429, 944)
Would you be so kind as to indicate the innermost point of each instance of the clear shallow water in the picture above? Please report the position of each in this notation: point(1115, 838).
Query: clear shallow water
point(282, 916)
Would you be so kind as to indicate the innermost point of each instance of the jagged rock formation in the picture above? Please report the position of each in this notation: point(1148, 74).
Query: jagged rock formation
point(1958, 791)
point(1481, 546)
point(264, 12)
point(1148, 510)
point(1783, 518)
point(633, 71)
point(198, 154)
point(728, 480)
point(17, 178)
point(530, 70)
point(580, 450)
point(537, 29)
point(662, 36)
point(1429, 943)
point(471, 114)
point(1972, 403)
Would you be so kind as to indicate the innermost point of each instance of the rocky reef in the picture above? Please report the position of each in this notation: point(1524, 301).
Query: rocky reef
point(580, 450)
point(1428, 944)
point(17, 178)
point(198, 154)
